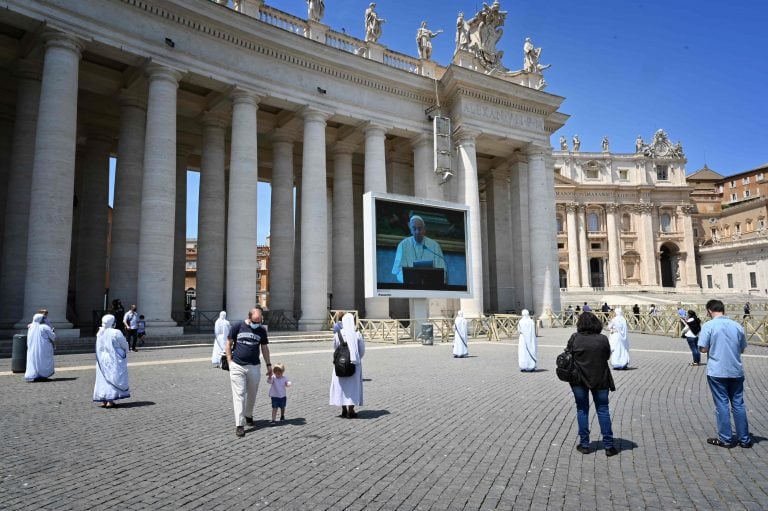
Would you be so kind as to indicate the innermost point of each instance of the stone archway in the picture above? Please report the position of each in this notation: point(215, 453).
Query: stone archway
point(669, 259)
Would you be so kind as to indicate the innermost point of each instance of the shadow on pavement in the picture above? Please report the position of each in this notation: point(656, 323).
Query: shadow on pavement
point(758, 439)
point(134, 404)
point(298, 421)
point(51, 380)
point(371, 414)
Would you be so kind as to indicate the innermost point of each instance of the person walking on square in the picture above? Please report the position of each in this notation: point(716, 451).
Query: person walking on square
point(278, 384)
point(747, 311)
point(131, 324)
point(723, 340)
point(619, 340)
point(691, 329)
point(591, 353)
point(244, 340)
point(118, 311)
point(460, 344)
point(41, 341)
point(111, 364)
point(526, 344)
point(220, 332)
point(347, 392)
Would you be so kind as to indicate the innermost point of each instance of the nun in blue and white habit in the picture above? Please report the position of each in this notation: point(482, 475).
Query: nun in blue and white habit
point(111, 364)
point(40, 345)
point(527, 346)
point(460, 344)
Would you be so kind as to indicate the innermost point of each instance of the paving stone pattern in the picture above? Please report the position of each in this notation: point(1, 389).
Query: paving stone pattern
point(435, 433)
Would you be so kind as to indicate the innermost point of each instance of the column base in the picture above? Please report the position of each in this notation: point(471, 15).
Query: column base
point(312, 325)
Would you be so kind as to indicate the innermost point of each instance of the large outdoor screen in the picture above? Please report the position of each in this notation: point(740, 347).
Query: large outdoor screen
point(415, 248)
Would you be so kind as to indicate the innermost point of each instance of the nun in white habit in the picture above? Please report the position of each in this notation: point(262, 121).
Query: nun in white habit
point(460, 344)
point(347, 392)
point(619, 341)
point(40, 345)
point(111, 364)
point(526, 345)
point(220, 331)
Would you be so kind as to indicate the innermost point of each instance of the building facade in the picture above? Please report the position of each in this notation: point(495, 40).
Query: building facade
point(241, 96)
point(624, 220)
point(731, 230)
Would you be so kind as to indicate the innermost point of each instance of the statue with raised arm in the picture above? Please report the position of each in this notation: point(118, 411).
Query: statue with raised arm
point(372, 24)
point(424, 38)
point(462, 33)
point(563, 143)
point(316, 10)
point(576, 144)
point(605, 144)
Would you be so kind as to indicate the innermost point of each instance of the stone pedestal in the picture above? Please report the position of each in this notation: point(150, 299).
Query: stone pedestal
point(375, 51)
point(316, 31)
point(427, 68)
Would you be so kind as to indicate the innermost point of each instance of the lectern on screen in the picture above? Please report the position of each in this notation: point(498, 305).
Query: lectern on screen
point(415, 248)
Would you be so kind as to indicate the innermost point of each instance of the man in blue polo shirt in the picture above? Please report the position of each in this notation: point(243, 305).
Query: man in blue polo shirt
point(244, 341)
point(723, 340)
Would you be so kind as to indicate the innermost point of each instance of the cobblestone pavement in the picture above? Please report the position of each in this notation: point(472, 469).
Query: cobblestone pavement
point(435, 433)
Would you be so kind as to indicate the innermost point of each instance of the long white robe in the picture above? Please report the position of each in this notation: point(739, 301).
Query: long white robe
point(349, 390)
point(408, 252)
point(526, 344)
point(220, 332)
point(40, 338)
point(619, 342)
point(460, 338)
point(111, 366)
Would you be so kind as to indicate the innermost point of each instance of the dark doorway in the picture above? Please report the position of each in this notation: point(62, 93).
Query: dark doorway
point(596, 272)
point(563, 279)
point(668, 260)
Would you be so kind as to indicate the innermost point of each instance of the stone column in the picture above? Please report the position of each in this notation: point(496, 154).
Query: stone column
point(520, 236)
point(242, 242)
point(583, 246)
point(648, 252)
point(126, 213)
point(543, 236)
point(91, 264)
point(158, 203)
point(343, 246)
point(211, 227)
point(499, 248)
point(691, 278)
point(53, 177)
point(282, 227)
point(6, 145)
point(375, 180)
point(178, 293)
point(614, 248)
point(469, 194)
point(574, 277)
point(314, 224)
point(14, 251)
point(425, 182)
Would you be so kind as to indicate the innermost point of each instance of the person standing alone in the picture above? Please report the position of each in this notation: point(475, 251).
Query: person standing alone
point(723, 340)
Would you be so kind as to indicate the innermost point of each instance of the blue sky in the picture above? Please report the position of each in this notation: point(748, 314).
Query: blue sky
point(694, 68)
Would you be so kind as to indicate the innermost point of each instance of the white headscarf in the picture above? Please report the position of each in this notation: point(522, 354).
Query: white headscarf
point(222, 325)
point(107, 322)
point(35, 331)
point(460, 323)
point(619, 323)
point(349, 334)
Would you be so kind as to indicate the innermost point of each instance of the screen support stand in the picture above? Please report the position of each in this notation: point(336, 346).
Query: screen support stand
point(418, 313)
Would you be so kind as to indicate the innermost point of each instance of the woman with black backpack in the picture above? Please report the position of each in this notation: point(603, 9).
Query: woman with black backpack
point(691, 329)
point(347, 376)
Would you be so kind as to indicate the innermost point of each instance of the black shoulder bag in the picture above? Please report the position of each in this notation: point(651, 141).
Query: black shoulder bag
point(566, 367)
point(342, 363)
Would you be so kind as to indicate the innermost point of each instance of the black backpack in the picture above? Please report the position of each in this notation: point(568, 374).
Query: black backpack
point(342, 363)
point(566, 369)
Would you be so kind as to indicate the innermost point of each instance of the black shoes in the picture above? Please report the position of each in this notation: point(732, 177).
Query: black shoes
point(611, 451)
point(718, 442)
point(582, 449)
point(746, 445)
point(239, 432)
point(343, 412)
point(249, 421)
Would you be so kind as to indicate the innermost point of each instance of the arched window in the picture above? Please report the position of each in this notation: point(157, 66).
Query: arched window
point(559, 223)
point(666, 222)
point(626, 222)
point(593, 222)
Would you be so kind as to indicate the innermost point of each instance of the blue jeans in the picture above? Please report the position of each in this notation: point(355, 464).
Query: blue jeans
point(728, 395)
point(600, 397)
point(693, 343)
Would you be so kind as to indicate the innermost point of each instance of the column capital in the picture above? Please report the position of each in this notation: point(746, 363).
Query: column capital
point(245, 96)
point(538, 151)
point(465, 136)
point(571, 207)
point(312, 114)
point(644, 207)
point(26, 69)
point(371, 128)
point(342, 148)
point(611, 207)
point(155, 71)
point(131, 98)
point(214, 119)
point(58, 39)
point(284, 135)
point(687, 209)
point(581, 207)
point(498, 173)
